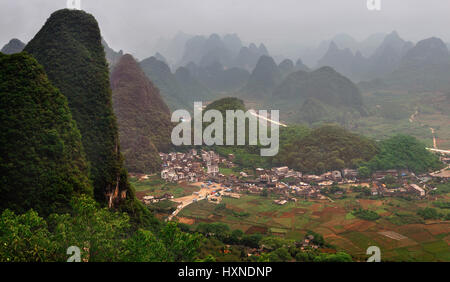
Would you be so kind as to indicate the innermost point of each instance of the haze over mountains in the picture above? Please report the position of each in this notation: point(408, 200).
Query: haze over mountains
point(215, 64)
point(384, 59)
point(203, 68)
point(12, 47)
point(212, 66)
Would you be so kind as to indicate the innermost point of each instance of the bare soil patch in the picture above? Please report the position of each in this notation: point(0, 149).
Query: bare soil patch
point(359, 225)
point(186, 220)
point(256, 229)
point(366, 203)
point(439, 228)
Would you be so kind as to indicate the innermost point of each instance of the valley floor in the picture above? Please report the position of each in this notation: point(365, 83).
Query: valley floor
point(399, 233)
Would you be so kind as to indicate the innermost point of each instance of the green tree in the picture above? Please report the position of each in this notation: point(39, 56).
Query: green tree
point(180, 246)
point(280, 255)
point(25, 238)
point(404, 152)
point(338, 257)
point(364, 172)
point(429, 213)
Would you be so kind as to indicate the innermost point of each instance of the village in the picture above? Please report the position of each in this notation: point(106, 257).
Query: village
point(204, 169)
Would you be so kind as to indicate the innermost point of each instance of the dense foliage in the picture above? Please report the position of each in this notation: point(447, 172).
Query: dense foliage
point(245, 156)
point(69, 47)
point(142, 115)
point(404, 152)
point(326, 148)
point(101, 236)
point(429, 213)
point(366, 214)
point(276, 249)
point(225, 104)
point(42, 161)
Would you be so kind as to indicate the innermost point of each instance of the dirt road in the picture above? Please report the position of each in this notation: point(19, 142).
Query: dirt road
point(197, 196)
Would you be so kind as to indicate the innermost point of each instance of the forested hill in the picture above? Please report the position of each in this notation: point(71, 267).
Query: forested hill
point(225, 104)
point(69, 47)
point(327, 148)
point(43, 165)
point(320, 95)
point(142, 115)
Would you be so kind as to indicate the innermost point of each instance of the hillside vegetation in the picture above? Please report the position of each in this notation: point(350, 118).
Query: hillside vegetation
point(43, 165)
point(404, 152)
point(142, 115)
point(69, 47)
point(327, 148)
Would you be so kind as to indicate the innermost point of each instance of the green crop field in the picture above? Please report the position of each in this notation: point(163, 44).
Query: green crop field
point(420, 241)
point(155, 186)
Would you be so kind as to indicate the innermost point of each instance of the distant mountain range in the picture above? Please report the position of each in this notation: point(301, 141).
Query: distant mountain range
point(320, 95)
point(204, 51)
point(384, 60)
point(172, 48)
point(425, 67)
point(264, 78)
point(12, 47)
point(210, 66)
point(395, 64)
point(112, 57)
point(160, 74)
point(218, 78)
point(311, 56)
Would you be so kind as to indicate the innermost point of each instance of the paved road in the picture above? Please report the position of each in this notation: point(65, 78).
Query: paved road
point(253, 112)
point(447, 152)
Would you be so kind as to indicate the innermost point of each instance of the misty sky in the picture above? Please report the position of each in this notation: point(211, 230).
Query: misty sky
point(135, 25)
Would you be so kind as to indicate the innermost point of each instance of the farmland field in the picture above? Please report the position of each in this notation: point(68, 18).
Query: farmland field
point(399, 232)
point(155, 186)
point(409, 113)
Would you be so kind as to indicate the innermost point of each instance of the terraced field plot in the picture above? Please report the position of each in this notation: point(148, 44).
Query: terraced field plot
point(399, 240)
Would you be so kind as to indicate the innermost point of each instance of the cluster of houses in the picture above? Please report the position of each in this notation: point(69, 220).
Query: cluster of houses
point(155, 199)
point(192, 166)
point(203, 166)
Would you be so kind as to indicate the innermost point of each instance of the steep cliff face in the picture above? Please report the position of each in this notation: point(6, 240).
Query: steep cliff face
point(43, 164)
point(69, 47)
point(142, 115)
